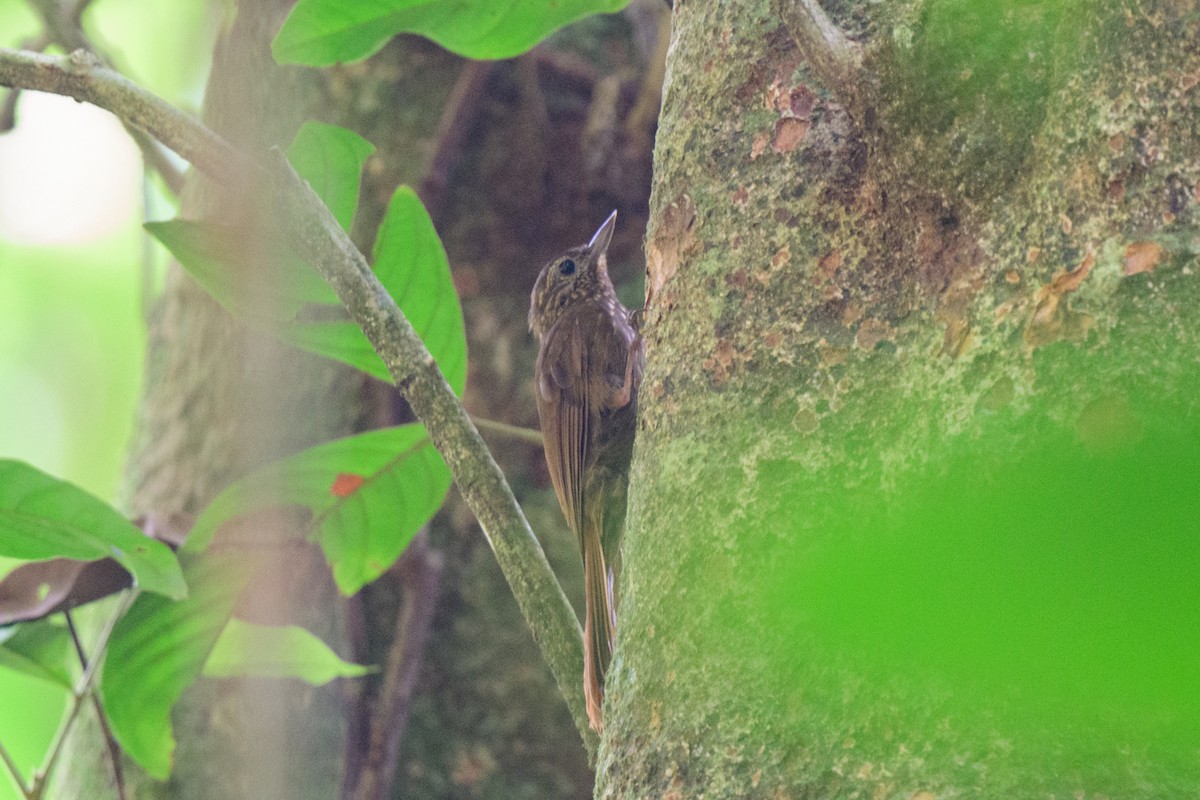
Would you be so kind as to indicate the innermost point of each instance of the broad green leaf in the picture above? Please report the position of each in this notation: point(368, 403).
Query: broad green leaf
point(227, 262)
point(324, 32)
point(341, 341)
point(270, 651)
point(412, 265)
point(40, 649)
point(157, 649)
point(42, 517)
point(368, 494)
point(293, 301)
point(331, 160)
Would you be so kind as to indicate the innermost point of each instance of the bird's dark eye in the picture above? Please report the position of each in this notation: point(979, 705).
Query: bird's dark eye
point(567, 267)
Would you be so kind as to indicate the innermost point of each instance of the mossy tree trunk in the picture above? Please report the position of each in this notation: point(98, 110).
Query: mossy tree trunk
point(913, 496)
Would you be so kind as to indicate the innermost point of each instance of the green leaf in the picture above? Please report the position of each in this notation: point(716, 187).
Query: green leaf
point(226, 262)
point(412, 265)
point(293, 301)
point(324, 32)
point(157, 649)
point(42, 517)
point(368, 494)
point(40, 649)
point(331, 160)
point(270, 651)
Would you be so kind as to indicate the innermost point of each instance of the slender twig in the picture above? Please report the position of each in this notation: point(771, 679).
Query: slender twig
point(836, 60)
point(15, 772)
point(157, 160)
point(461, 108)
point(82, 689)
point(566, 68)
point(420, 570)
point(114, 750)
point(358, 722)
point(513, 431)
point(320, 239)
point(64, 27)
point(8, 111)
point(81, 76)
point(644, 114)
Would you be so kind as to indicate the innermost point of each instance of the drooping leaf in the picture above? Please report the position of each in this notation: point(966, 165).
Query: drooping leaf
point(157, 649)
point(331, 159)
point(368, 495)
point(253, 278)
point(411, 263)
point(291, 299)
point(42, 518)
point(273, 651)
point(325, 32)
point(39, 649)
point(33, 591)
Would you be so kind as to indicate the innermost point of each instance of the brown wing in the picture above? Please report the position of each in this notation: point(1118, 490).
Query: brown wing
point(563, 409)
point(580, 356)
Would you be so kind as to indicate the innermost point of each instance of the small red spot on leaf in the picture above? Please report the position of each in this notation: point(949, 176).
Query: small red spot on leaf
point(346, 484)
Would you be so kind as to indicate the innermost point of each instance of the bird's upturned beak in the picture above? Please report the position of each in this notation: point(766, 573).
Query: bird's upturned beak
point(603, 235)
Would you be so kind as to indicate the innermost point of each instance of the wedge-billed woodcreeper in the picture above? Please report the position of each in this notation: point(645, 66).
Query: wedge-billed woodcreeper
point(588, 369)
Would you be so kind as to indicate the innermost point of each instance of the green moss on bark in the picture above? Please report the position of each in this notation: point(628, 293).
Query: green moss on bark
point(864, 333)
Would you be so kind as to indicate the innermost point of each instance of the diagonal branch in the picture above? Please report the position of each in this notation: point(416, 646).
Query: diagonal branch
point(114, 749)
point(320, 240)
point(82, 76)
point(64, 26)
point(14, 771)
point(82, 691)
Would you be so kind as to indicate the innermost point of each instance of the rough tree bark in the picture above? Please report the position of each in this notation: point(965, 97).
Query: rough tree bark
point(998, 242)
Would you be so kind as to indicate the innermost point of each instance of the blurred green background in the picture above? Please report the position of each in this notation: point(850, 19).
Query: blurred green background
point(74, 272)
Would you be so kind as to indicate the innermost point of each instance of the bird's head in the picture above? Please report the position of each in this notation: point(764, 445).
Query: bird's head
point(578, 274)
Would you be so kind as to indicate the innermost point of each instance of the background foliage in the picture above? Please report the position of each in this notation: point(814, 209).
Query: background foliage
point(71, 330)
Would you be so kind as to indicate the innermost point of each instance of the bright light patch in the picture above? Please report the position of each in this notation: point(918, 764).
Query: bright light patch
point(36, 432)
point(69, 173)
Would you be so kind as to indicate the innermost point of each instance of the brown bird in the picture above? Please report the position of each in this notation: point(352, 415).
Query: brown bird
point(588, 370)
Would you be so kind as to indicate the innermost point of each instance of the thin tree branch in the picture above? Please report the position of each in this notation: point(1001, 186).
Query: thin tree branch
point(157, 160)
point(462, 107)
point(82, 690)
point(8, 111)
point(420, 570)
point(114, 750)
point(81, 75)
point(14, 771)
point(504, 429)
point(64, 27)
point(836, 60)
point(320, 239)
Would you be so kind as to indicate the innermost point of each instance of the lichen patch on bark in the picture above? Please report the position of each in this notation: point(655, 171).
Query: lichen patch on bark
point(673, 239)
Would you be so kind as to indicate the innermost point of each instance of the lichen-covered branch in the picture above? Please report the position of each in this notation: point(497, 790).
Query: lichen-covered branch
point(81, 75)
point(63, 26)
point(322, 241)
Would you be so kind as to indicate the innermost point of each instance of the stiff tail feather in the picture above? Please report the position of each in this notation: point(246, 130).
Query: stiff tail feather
point(598, 628)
